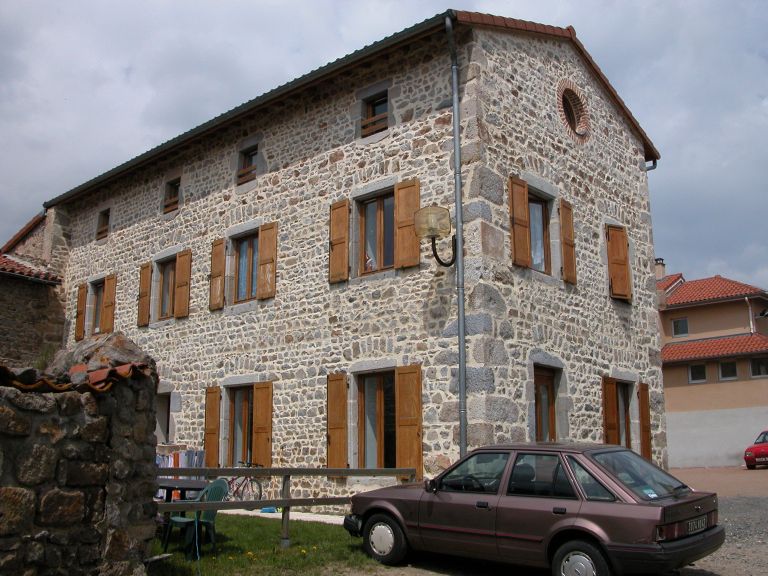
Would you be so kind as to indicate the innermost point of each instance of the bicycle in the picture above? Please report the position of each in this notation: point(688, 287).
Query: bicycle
point(243, 488)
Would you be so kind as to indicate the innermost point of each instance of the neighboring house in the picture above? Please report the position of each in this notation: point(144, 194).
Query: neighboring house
point(267, 258)
point(31, 307)
point(715, 361)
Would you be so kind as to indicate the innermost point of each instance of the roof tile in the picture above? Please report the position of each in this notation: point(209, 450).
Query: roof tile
point(726, 346)
point(708, 289)
point(12, 266)
point(669, 280)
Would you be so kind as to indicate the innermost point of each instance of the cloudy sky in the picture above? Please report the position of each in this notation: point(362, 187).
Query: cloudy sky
point(87, 84)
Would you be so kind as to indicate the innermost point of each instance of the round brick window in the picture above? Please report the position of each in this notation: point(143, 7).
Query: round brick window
point(573, 111)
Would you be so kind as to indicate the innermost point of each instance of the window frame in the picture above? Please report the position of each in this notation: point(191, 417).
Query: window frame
point(247, 429)
point(752, 362)
point(545, 378)
point(166, 266)
point(720, 370)
point(380, 232)
point(251, 284)
point(545, 216)
point(247, 164)
point(675, 333)
point(102, 224)
point(624, 408)
point(690, 373)
point(371, 123)
point(96, 294)
point(381, 411)
point(172, 202)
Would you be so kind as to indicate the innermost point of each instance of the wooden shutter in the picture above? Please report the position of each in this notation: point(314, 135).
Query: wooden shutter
point(644, 403)
point(145, 286)
point(407, 202)
point(107, 320)
point(218, 261)
point(520, 222)
point(568, 242)
point(211, 440)
point(610, 411)
point(265, 283)
point(618, 262)
point(338, 245)
point(337, 420)
point(82, 295)
point(261, 435)
point(181, 289)
point(408, 417)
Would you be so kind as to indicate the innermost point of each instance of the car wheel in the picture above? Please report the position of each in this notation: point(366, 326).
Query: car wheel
point(751, 466)
point(579, 558)
point(383, 539)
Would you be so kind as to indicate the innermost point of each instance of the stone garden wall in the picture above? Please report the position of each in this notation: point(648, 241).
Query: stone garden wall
point(77, 468)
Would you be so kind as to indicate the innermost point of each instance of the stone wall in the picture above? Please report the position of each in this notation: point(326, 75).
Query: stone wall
point(77, 476)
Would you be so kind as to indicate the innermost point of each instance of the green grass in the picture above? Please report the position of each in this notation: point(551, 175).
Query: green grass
point(251, 545)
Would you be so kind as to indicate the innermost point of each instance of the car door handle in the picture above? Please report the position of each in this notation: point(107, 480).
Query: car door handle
point(559, 510)
point(482, 504)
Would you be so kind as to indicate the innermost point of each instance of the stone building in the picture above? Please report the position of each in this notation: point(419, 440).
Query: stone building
point(267, 258)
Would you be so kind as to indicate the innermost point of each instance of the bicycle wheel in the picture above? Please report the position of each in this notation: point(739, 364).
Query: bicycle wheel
point(251, 489)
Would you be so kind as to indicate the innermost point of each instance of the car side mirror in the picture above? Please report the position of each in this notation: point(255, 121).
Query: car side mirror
point(430, 485)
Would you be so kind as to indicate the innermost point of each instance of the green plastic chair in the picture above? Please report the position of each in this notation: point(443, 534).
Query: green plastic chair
point(213, 492)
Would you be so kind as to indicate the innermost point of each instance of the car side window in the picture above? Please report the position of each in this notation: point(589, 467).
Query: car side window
point(591, 486)
point(540, 475)
point(478, 473)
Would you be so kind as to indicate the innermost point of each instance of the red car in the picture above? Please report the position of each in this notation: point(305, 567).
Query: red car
point(581, 510)
point(757, 454)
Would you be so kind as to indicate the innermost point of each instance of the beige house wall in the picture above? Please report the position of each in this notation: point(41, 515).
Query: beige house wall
point(715, 394)
point(708, 321)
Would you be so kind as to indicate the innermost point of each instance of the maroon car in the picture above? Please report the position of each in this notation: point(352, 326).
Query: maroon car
point(757, 454)
point(586, 510)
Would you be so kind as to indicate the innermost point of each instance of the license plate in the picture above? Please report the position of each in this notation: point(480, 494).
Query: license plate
point(763, 459)
point(697, 524)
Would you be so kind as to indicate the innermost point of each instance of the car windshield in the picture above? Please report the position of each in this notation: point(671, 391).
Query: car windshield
point(641, 477)
point(762, 438)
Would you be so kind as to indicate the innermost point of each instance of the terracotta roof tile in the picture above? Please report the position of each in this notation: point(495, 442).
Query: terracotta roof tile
point(726, 346)
point(12, 266)
point(99, 380)
point(708, 289)
point(668, 281)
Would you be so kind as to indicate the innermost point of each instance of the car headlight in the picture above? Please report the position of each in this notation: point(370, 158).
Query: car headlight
point(748, 453)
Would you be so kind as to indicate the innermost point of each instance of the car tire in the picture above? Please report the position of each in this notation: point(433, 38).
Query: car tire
point(383, 539)
point(581, 558)
point(751, 466)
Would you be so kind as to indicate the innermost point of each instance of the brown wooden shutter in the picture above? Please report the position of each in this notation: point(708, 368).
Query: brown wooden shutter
point(82, 295)
point(211, 440)
point(265, 283)
point(610, 411)
point(407, 202)
point(107, 320)
point(338, 245)
point(181, 290)
point(337, 420)
point(408, 417)
point(644, 403)
point(145, 285)
point(520, 222)
point(568, 242)
point(218, 262)
point(618, 262)
point(261, 435)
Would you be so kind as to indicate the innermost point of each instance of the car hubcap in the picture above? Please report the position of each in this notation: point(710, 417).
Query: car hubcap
point(382, 539)
point(577, 564)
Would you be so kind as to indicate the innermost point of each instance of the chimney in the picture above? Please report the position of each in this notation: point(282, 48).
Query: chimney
point(661, 269)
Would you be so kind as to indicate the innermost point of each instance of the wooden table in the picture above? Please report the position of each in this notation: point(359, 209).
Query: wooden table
point(180, 484)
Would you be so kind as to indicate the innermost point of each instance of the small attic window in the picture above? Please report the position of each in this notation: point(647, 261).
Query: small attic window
point(573, 111)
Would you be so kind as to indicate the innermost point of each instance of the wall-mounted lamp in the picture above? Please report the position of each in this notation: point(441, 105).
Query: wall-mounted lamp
point(435, 222)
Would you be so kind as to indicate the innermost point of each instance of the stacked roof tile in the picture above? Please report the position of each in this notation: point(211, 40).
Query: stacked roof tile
point(726, 346)
point(708, 289)
point(668, 281)
point(11, 266)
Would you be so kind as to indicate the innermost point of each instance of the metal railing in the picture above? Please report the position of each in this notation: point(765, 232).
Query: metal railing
point(285, 501)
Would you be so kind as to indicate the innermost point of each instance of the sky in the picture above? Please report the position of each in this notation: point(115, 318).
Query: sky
point(87, 84)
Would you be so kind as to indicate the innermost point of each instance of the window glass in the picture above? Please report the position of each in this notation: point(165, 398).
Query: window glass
point(645, 480)
point(389, 232)
point(697, 373)
point(759, 366)
point(371, 239)
point(680, 327)
point(536, 211)
point(728, 370)
point(247, 268)
point(377, 231)
point(379, 445)
point(102, 226)
point(762, 438)
point(539, 475)
point(167, 282)
point(242, 424)
point(242, 270)
point(592, 487)
point(478, 473)
point(171, 200)
point(544, 384)
point(98, 303)
point(375, 115)
point(622, 395)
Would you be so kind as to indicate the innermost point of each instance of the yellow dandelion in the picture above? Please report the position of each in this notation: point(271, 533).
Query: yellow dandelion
point(303, 551)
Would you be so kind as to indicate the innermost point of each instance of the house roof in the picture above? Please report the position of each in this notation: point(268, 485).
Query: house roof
point(723, 347)
point(11, 267)
point(99, 380)
point(405, 36)
point(668, 281)
point(21, 234)
point(711, 289)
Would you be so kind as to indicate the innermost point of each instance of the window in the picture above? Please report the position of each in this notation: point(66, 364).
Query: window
point(163, 424)
point(172, 195)
point(697, 373)
point(728, 370)
point(759, 367)
point(375, 115)
point(539, 219)
point(102, 224)
point(539, 475)
point(167, 271)
point(616, 412)
point(377, 234)
point(248, 164)
point(97, 302)
point(246, 267)
point(680, 327)
point(250, 424)
point(544, 384)
point(96, 307)
point(478, 473)
point(592, 488)
point(619, 274)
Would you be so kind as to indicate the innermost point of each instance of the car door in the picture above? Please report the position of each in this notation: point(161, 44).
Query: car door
point(459, 516)
point(538, 501)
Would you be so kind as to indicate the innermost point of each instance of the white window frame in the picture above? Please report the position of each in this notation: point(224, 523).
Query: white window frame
point(720, 370)
point(690, 375)
point(675, 334)
point(751, 368)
